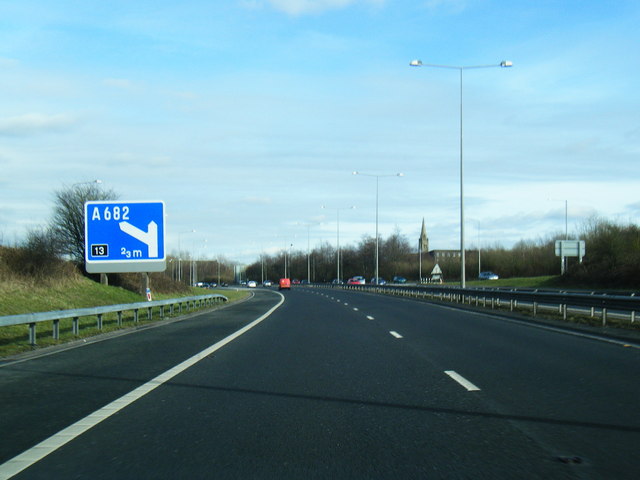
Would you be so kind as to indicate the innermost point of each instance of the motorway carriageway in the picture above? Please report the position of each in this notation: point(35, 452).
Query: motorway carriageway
point(321, 384)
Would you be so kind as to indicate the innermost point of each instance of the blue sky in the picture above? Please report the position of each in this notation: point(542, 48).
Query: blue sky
point(246, 116)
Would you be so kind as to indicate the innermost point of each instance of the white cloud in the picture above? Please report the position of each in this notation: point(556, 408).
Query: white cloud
point(34, 123)
point(305, 7)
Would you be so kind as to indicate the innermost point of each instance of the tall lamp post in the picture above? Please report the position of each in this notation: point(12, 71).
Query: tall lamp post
point(309, 225)
point(180, 253)
point(338, 239)
point(461, 69)
point(377, 182)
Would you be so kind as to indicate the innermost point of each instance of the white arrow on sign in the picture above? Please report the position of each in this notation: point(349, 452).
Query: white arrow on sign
point(149, 238)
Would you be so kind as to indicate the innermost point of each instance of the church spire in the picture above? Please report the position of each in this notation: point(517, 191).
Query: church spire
point(423, 241)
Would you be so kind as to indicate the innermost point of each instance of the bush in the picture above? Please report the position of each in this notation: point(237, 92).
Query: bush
point(612, 259)
point(158, 281)
point(37, 257)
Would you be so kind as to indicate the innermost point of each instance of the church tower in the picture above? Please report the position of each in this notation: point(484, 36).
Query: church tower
point(423, 241)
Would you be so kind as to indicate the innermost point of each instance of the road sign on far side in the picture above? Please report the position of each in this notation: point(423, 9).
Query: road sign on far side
point(124, 236)
point(570, 248)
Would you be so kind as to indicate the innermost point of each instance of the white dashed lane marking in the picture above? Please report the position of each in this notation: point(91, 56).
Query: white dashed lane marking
point(462, 381)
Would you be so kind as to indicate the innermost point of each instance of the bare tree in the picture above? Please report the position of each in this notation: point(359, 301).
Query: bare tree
point(67, 223)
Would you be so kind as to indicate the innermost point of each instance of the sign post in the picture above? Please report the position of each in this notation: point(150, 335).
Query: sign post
point(124, 236)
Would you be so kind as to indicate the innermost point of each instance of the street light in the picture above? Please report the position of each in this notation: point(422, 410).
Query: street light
point(338, 241)
point(309, 225)
point(180, 254)
point(377, 182)
point(503, 64)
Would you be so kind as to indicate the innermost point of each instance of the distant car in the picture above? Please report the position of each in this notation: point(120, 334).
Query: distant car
point(357, 280)
point(295, 281)
point(488, 276)
point(284, 283)
point(267, 283)
point(397, 279)
point(335, 281)
point(378, 281)
point(252, 284)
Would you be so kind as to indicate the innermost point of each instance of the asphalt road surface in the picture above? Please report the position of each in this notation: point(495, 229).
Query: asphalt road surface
point(330, 384)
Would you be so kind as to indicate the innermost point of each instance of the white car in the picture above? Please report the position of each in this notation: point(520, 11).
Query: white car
point(252, 284)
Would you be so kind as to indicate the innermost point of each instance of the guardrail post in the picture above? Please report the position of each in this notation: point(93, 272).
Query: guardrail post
point(120, 318)
point(535, 308)
point(161, 311)
point(511, 305)
point(32, 333)
point(99, 321)
point(56, 329)
point(149, 313)
point(135, 315)
point(564, 311)
point(75, 326)
point(604, 317)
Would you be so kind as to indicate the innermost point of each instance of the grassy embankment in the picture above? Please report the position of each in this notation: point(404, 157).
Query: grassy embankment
point(549, 281)
point(552, 283)
point(20, 296)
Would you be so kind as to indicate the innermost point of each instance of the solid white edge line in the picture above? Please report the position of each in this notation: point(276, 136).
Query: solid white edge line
point(38, 452)
point(462, 381)
point(395, 334)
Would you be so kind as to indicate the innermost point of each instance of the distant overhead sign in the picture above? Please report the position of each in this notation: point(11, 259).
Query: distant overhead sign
point(124, 236)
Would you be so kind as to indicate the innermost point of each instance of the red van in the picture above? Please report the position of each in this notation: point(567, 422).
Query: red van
point(284, 283)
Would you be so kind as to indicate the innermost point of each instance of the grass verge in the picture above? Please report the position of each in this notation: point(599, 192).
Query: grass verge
point(63, 294)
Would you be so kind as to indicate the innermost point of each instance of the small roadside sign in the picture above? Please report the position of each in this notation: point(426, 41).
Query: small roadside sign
point(436, 274)
point(124, 236)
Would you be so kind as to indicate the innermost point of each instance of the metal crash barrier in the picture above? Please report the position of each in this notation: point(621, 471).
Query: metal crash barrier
point(32, 319)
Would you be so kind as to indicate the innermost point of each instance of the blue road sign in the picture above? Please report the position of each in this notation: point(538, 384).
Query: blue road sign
point(124, 236)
